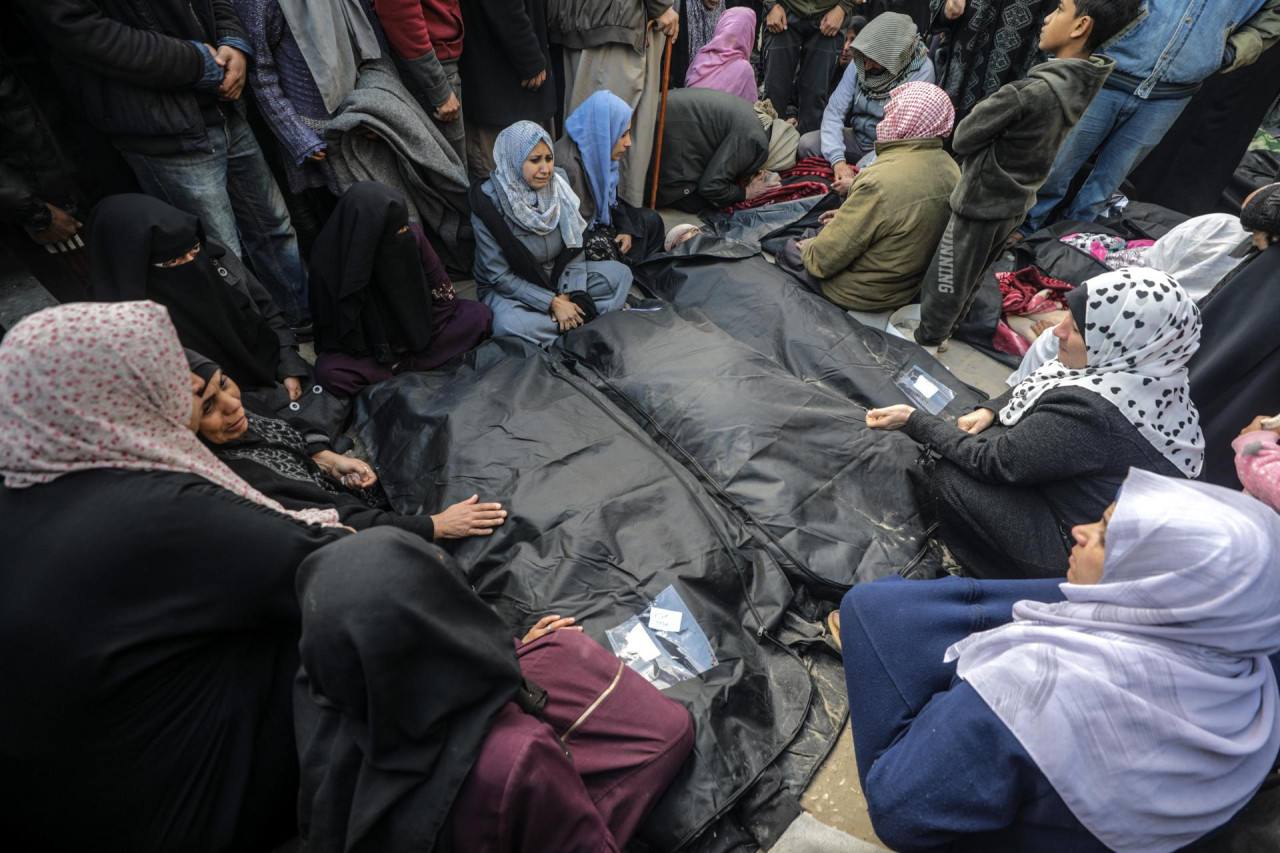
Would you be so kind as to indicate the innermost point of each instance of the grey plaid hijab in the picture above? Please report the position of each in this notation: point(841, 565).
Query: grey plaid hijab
point(892, 40)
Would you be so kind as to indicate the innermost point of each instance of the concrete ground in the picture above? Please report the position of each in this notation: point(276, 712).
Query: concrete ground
point(835, 796)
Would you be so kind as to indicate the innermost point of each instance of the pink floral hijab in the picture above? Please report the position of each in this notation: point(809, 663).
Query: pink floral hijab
point(105, 385)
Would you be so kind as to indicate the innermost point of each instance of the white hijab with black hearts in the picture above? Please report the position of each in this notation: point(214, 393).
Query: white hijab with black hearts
point(1141, 328)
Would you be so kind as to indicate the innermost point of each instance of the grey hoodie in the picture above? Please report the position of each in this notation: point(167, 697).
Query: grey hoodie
point(1010, 140)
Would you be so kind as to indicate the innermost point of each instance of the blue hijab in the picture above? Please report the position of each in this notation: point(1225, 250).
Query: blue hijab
point(596, 126)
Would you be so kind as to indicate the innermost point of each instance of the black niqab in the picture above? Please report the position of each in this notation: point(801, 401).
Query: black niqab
point(404, 668)
point(130, 233)
point(369, 295)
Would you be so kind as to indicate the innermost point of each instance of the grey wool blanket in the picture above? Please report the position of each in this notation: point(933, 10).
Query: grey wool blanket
point(409, 154)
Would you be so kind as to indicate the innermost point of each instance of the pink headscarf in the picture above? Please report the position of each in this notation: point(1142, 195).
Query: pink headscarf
point(105, 385)
point(725, 62)
point(916, 111)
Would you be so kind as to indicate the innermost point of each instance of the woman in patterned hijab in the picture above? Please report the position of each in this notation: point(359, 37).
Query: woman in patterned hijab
point(86, 386)
point(1023, 469)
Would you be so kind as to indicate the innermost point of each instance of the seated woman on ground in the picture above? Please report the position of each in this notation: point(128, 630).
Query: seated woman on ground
point(887, 53)
point(1131, 708)
point(872, 253)
point(597, 136)
point(157, 601)
point(381, 300)
point(1019, 472)
point(530, 267)
point(278, 461)
point(157, 642)
point(142, 248)
point(724, 63)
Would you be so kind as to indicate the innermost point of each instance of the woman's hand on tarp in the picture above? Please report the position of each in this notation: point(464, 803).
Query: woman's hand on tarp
point(976, 421)
point(891, 417)
point(624, 243)
point(547, 624)
point(469, 518)
point(293, 385)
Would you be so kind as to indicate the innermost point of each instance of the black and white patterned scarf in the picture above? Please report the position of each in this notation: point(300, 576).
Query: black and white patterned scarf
point(1141, 328)
point(278, 447)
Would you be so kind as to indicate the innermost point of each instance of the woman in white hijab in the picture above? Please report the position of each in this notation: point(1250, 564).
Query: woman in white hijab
point(529, 265)
point(1132, 708)
point(1019, 472)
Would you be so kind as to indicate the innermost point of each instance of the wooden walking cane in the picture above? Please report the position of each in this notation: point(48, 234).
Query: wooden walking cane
point(662, 123)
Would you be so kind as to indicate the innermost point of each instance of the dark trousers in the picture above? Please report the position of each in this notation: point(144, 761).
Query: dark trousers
point(997, 530)
point(951, 284)
point(798, 64)
point(652, 235)
point(895, 633)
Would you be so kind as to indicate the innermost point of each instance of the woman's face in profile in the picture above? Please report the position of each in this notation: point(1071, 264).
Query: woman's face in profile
point(1071, 349)
point(1084, 566)
point(538, 166)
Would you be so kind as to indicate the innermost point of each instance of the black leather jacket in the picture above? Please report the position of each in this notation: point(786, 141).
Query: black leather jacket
point(133, 66)
point(31, 168)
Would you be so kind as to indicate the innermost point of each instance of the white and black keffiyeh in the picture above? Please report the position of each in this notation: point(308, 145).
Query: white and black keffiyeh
point(1141, 328)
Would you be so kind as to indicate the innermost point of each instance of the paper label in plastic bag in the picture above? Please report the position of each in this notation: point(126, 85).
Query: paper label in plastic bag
point(924, 391)
point(664, 643)
point(664, 620)
point(639, 640)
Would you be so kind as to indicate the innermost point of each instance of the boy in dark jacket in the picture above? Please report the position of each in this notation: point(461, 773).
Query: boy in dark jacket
point(1008, 145)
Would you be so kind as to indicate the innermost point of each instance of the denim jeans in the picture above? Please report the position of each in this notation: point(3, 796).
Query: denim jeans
point(238, 202)
point(806, 89)
point(1127, 128)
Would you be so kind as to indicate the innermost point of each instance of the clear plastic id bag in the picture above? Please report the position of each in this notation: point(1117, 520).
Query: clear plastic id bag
point(664, 643)
point(924, 391)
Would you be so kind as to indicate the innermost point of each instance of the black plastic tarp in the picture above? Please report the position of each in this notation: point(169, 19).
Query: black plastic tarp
point(796, 457)
point(768, 310)
point(601, 521)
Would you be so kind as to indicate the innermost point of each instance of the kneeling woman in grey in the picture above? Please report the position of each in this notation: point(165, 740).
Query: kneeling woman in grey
point(1023, 469)
point(529, 264)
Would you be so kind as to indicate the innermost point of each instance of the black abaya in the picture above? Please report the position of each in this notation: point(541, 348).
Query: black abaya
point(148, 639)
point(1235, 375)
point(369, 295)
point(405, 669)
point(1193, 164)
point(129, 234)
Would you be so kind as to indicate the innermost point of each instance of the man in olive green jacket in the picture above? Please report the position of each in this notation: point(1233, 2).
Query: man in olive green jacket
point(873, 252)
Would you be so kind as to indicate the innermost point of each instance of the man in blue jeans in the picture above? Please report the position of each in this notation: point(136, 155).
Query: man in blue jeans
point(163, 79)
point(1160, 63)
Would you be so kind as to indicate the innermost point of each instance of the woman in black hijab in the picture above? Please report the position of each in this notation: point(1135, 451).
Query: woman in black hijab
point(143, 248)
point(279, 461)
point(380, 298)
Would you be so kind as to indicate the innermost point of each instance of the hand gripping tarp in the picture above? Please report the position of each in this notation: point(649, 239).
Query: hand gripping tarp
point(794, 457)
point(768, 310)
point(601, 521)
